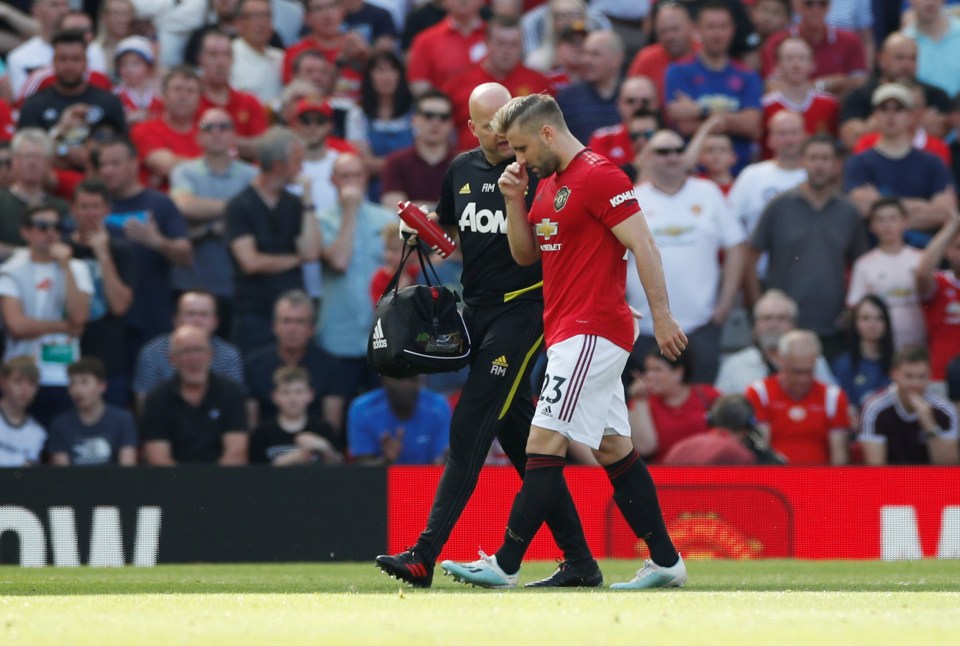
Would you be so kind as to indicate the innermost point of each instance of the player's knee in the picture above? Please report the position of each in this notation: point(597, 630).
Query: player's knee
point(613, 448)
point(543, 441)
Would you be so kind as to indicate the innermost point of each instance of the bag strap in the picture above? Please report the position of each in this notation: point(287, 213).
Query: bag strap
point(424, 259)
point(395, 280)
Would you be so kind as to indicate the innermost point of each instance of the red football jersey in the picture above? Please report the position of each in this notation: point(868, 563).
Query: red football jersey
point(156, 134)
point(249, 117)
point(613, 142)
point(584, 264)
point(7, 126)
point(799, 429)
point(820, 112)
point(941, 311)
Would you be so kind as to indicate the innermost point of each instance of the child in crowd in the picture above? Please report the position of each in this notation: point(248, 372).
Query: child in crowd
point(717, 160)
point(888, 270)
point(293, 437)
point(93, 432)
point(21, 436)
point(137, 83)
point(392, 252)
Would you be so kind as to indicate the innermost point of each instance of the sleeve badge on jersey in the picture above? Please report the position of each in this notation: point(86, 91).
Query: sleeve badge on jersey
point(560, 200)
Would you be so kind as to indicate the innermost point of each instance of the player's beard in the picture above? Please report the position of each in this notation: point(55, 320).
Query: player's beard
point(548, 165)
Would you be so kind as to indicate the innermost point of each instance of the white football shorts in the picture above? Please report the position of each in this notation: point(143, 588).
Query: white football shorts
point(582, 396)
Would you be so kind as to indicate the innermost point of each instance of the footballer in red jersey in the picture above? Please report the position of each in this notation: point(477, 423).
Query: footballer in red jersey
point(583, 220)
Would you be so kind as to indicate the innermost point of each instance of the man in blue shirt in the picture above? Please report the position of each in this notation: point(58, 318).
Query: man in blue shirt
point(400, 423)
point(591, 103)
point(712, 84)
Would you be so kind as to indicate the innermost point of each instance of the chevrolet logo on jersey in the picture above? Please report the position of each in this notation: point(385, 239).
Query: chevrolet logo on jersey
point(465, 189)
point(561, 198)
point(499, 366)
point(546, 229)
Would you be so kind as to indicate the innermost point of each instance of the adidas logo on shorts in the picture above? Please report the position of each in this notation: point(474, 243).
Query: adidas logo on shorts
point(546, 412)
point(379, 341)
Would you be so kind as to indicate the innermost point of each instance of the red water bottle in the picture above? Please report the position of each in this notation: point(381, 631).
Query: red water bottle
point(427, 230)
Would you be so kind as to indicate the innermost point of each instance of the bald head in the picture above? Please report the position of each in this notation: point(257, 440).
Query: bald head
point(799, 344)
point(484, 102)
point(898, 59)
point(636, 92)
point(602, 57)
point(487, 98)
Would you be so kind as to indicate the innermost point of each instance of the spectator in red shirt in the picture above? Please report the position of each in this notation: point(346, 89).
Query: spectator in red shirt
point(346, 49)
point(732, 419)
point(504, 65)
point(170, 139)
point(7, 125)
point(840, 61)
point(940, 296)
point(613, 142)
point(416, 173)
point(791, 89)
point(802, 418)
point(246, 111)
point(675, 42)
point(665, 407)
point(449, 48)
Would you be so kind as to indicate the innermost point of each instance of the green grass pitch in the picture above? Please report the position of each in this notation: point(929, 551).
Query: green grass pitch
point(742, 603)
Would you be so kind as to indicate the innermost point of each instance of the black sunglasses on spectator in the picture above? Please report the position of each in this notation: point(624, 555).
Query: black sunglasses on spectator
point(313, 119)
point(440, 116)
point(43, 225)
point(663, 152)
point(642, 134)
point(213, 127)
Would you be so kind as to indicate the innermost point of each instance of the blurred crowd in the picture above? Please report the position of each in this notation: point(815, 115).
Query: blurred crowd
point(198, 213)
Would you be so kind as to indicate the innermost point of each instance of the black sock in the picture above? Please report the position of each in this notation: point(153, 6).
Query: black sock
point(539, 494)
point(636, 497)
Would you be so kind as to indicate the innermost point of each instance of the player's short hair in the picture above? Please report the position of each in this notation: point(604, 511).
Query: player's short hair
point(884, 202)
point(910, 354)
point(528, 112)
point(88, 366)
point(290, 375)
point(24, 366)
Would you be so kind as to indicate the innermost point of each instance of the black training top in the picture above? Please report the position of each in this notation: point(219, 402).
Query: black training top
point(470, 200)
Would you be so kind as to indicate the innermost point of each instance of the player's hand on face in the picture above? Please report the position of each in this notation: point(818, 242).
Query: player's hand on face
point(513, 182)
point(670, 338)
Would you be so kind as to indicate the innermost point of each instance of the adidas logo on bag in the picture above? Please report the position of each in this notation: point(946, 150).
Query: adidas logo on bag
point(379, 342)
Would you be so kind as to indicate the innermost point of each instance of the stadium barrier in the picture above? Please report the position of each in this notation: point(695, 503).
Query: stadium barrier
point(720, 512)
point(144, 516)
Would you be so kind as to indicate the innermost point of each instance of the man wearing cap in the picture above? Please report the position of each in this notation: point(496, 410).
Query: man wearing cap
point(313, 122)
point(135, 65)
point(893, 167)
point(897, 63)
point(170, 139)
point(245, 110)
